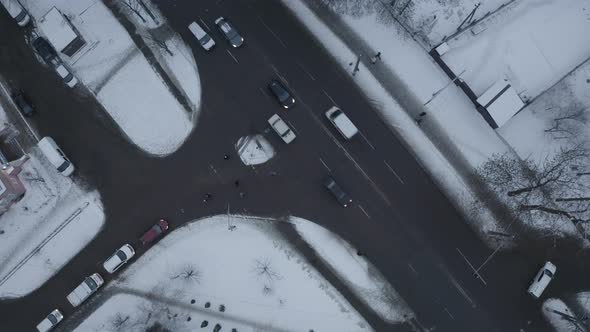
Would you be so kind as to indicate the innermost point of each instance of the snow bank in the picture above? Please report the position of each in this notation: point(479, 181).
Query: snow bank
point(559, 315)
point(262, 281)
point(355, 271)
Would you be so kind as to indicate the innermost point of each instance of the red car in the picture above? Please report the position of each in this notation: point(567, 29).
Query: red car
point(154, 232)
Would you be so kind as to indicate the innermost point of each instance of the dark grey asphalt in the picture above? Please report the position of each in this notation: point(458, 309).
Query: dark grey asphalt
point(413, 234)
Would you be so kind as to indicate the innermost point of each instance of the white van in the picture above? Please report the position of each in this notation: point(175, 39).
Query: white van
point(204, 39)
point(16, 11)
point(542, 279)
point(85, 289)
point(341, 122)
point(56, 156)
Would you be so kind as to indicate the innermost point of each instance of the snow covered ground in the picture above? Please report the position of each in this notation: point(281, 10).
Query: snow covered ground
point(254, 150)
point(533, 44)
point(113, 68)
point(45, 229)
point(449, 112)
point(355, 271)
point(260, 279)
point(559, 315)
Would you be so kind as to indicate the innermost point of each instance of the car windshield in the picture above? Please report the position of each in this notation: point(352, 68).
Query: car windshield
point(121, 255)
point(205, 39)
point(52, 319)
point(548, 273)
point(91, 283)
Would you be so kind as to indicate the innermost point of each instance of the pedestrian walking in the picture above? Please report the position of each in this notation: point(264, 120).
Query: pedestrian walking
point(422, 114)
point(237, 183)
point(225, 157)
point(207, 197)
point(272, 173)
point(242, 194)
point(378, 55)
point(374, 58)
point(418, 120)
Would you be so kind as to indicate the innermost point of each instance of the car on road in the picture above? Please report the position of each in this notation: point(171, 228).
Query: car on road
point(45, 50)
point(66, 75)
point(204, 39)
point(281, 94)
point(23, 104)
point(85, 289)
point(334, 188)
point(542, 279)
point(281, 128)
point(50, 321)
point(342, 123)
point(229, 32)
point(153, 233)
point(119, 258)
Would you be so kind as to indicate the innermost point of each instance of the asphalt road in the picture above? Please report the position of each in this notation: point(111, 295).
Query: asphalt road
point(400, 220)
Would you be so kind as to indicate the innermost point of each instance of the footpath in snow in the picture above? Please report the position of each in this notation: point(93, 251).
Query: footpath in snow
point(112, 67)
point(241, 274)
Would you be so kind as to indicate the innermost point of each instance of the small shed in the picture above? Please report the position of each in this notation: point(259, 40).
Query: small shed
point(60, 32)
point(501, 102)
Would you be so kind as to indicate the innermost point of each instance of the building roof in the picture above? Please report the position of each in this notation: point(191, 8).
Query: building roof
point(501, 101)
point(57, 29)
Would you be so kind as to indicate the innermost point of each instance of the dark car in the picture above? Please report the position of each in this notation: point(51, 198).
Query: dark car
point(281, 94)
point(154, 232)
point(45, 50)
point(341, 196)
point(23, 104)
point(229, 32)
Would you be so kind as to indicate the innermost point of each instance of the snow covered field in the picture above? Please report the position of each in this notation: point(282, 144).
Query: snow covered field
point(533, 44)
point(111, 66)
point(260, 279)
point(44, 230)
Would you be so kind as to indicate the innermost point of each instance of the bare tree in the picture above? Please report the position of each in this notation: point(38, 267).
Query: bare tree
point(161, 43)
point(550, 188)
point(189, 274)
point(568, 122)
point(263, 268)
point(136, 7)
point(120, 322)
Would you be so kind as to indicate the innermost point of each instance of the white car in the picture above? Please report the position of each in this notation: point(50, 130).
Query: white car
point(119, 258)
point(281, 128)
point(50, 321)
point(542, 279)
point(204, 39)
point(66, 75)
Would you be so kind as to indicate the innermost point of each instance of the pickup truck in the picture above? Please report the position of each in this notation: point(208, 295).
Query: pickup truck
point(281, 128)
point(85, 289)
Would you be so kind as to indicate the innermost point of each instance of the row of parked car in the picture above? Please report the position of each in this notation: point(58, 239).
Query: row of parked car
point(93, 282)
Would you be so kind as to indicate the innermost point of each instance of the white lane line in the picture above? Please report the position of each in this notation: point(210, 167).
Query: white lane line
point(305, 70)
point(326, 166)
point(272, 32)
point(327, 95)
point(449, 313)
point(205, 24)
point(394, 173)
point(365, 212)
point(366, 140)
point(457, 286)
point(263, 93)
point(233, 57)
point(475, 273)
point(413, 269)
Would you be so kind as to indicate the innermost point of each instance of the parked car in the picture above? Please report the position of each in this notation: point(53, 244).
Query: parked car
point(229, 32)
point(281, 128)
point(50, 321)
point(119, 258)
point(56, 156)
point(17, 12)
point(281, 94)
point(66, 75)
point(85, 289)
point(23, 104)
point(45, 50)
point(346, 128)
point(341, 196)
point(204, 39)
point(542, 279)
point(153, 233)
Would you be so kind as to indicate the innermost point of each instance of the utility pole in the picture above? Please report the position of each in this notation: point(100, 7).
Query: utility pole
point(443, 88)
point(469, 17)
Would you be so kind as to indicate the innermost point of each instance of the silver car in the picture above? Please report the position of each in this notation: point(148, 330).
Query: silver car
point(229, 32)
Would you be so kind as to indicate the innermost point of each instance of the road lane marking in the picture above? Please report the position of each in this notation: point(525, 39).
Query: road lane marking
point(326, 166)
point(263, 93)
point(367, 140)
point(272, 32)
point(233, 57)
point(413, 269)
point(305, 70)
point(365, 212)
point(457, 286)
point(449, 313)
point(475, 272)
point(327, 95)
point(394, 173)
point(279, 75)
point(205, 24)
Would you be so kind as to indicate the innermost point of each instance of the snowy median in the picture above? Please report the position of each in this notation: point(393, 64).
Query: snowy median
point(232, 271)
